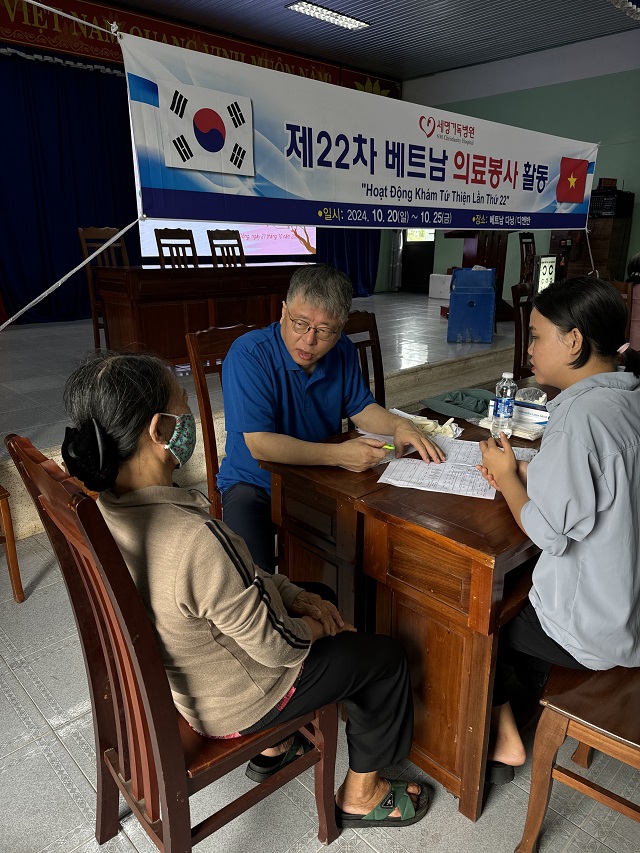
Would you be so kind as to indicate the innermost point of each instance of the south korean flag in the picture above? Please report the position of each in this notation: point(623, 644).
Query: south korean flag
point(206, 130)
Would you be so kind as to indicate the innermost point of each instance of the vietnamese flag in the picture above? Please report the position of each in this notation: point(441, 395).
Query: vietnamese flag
point(572, 180)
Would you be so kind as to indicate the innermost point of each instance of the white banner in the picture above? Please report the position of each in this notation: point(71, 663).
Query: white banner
point(219, 140)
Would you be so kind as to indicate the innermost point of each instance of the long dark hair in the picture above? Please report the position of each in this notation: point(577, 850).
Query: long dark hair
point(597, 310)
point(110, 400)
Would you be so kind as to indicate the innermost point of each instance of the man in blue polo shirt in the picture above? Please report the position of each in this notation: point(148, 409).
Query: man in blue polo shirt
point(286, 390)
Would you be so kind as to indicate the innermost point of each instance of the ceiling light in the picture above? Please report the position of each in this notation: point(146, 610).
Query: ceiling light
point(327, 15)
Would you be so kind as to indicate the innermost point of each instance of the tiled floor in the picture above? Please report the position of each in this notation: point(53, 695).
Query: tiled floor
point(47, 777)
point(35, 360)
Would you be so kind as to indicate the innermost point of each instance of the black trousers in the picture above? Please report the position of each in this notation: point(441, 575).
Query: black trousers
point(524, 645)
point(246, 509)
point(370, 675)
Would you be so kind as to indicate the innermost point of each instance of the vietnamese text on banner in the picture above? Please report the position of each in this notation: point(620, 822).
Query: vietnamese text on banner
point(220, 140)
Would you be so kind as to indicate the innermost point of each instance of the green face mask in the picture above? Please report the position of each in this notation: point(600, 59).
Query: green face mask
point(183, 440)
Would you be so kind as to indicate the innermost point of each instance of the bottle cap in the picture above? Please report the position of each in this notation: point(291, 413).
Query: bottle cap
point(507, 375)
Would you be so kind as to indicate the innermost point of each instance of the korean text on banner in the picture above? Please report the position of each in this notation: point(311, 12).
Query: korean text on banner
point(220, 140)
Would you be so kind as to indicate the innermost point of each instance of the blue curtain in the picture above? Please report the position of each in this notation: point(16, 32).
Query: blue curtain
point(67, 162)
point(354, 251)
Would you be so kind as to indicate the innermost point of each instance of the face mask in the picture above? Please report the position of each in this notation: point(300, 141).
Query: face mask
point(183, 441)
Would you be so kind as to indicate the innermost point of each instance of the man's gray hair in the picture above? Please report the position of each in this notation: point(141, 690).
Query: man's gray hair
point(324, 287)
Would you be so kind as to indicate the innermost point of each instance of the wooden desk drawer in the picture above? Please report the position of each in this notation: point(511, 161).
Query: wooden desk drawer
point(431, 569)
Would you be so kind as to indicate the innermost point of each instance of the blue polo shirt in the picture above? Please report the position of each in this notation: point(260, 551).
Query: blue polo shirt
point(266, 391)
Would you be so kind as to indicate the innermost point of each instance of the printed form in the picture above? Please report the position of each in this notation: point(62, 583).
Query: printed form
point(457, 476)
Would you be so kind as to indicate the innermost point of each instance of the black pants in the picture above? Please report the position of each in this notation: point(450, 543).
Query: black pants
point(246, 509)
point(370, 675)
point(525, 646)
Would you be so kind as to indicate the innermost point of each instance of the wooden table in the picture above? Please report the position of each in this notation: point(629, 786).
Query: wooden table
point(449, 570)
point(151, 308)
point(320, 531)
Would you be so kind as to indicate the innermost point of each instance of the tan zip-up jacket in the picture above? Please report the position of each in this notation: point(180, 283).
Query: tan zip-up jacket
point(230, 648)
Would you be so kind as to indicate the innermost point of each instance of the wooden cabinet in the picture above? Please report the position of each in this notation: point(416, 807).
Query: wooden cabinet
point(149, 308)
point(609, 239)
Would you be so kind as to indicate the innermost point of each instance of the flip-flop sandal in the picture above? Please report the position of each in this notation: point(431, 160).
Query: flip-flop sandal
point(498, 773)
point(261, 767)
point(396, 797)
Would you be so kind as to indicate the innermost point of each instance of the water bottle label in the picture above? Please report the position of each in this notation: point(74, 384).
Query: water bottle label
point(503, 407)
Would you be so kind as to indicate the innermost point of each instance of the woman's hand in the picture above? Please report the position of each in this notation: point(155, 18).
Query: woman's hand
point(521, 468)
point(497, 463)
point(324, 612)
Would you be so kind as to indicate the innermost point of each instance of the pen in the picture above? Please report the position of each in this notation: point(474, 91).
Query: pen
point(388, 447)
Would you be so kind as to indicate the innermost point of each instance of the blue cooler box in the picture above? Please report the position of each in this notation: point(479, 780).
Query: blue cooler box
point(472, 306)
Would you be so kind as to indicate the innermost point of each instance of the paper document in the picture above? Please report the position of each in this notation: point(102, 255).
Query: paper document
point(457, 476)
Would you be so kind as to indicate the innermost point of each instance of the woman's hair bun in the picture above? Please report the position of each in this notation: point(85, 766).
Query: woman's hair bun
point(91, 455)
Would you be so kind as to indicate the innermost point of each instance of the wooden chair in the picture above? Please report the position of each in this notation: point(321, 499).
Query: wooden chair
point(625, 289)
point(527, 254)
point(8, 540)
point(364, 322)
point(207, 350)
point(522, 295)
point(176, 247)
point(114, 255)
point(226, 248)
point(145, 750)
point(600, 710)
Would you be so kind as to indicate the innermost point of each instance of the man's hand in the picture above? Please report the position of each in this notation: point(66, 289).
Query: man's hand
point(359, 454)
point(324, 612)
point(406, 433)
point(497, 464)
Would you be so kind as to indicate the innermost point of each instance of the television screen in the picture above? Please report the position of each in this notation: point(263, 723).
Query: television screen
point(262, 240)
point(544, 272)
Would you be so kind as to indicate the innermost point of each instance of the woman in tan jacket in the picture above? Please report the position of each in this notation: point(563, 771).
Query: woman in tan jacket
point(242, 649)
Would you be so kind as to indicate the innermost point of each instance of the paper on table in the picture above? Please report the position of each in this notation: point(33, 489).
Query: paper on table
point(457, 476)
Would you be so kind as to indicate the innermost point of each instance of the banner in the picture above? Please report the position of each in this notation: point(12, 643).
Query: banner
point(223, 141)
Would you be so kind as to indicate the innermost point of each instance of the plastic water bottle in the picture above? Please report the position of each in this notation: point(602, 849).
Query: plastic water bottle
point(503, 406)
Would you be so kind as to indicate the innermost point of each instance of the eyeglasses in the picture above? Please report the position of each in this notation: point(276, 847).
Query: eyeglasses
point(301, 327)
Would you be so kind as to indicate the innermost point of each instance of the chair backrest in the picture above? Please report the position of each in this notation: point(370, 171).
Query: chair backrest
point(362, 325)
point(135, 721)
point(207, 350)
point(226, 248)
point(625, 289)
point(114, 255)
point(527, 255)
point(176, 247)
point(522, 295)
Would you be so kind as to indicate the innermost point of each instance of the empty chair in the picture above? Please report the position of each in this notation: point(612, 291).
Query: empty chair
point(599, 709)
point(145, 750)
point(207, 350)
point(361, 323)
point(8, 540)
point(114, 255)
point(226, 248)
point(522, 295)
point(176, 247)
